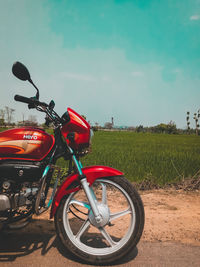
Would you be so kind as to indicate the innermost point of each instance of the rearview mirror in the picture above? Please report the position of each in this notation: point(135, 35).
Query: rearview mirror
point(20, 71)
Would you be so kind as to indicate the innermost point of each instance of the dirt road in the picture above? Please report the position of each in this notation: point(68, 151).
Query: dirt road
point(171, 236)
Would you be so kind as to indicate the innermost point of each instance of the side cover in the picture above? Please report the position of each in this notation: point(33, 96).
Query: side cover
point(72, 184)
point(26, 143)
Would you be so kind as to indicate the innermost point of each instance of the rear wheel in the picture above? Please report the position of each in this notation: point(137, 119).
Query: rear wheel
point(123, 220)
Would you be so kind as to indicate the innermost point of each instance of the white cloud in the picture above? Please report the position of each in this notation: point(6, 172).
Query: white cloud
point(195, 17)
point(177, 71)
point(137, 73)
point(106, 78)
point(79, 77)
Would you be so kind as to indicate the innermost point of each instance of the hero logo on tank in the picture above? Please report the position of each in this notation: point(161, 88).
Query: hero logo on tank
point(30, 137)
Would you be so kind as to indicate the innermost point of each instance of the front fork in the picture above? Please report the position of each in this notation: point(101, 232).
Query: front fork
point(86, 188)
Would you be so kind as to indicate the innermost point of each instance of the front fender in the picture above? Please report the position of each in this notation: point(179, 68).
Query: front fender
point(72, 183)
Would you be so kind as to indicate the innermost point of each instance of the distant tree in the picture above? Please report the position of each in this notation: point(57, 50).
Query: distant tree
point(2, 117)
point(2, 122)
point(196, 119)
point(32, 119)
point(199, 113)
point(171, 127)
point(198, 116)
point(188, 122)
point(131, 128)
point(161, 128)
point(139, 129)
point(166, 128)
point(96, 127)
point(2, 114)
point(9, 114)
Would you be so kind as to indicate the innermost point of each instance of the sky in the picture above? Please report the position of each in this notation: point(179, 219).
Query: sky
point(137, 61)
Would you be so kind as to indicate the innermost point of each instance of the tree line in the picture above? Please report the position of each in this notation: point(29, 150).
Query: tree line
point(7, 113)
point(169, 128)
point(196, 119)
point(7, 117)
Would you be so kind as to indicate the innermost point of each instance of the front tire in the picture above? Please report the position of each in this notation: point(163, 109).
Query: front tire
point(121, 233)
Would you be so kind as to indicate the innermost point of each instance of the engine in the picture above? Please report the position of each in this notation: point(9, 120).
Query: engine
point(18, 184)
point(14, 195)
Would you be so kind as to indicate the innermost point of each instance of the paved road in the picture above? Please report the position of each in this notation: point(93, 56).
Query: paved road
point(44, 249)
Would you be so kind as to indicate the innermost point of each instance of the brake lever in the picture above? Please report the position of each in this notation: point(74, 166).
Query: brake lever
point(30, 106)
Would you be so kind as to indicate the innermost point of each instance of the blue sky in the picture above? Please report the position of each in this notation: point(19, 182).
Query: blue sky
point(137, 61)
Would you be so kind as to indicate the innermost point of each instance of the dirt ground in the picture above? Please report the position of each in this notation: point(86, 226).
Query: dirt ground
point(170, 215)
point(171, 236)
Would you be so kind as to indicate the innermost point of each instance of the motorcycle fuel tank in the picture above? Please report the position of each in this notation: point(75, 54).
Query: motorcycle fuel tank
point(26, 143)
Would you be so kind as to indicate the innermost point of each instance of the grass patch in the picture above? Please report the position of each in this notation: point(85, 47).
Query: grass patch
point(145, 158)
point(160, 158)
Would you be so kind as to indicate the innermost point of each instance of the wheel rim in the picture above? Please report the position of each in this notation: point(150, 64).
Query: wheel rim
point(105, 239)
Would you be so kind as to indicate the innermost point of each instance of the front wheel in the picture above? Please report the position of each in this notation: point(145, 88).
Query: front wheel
point(123, 220)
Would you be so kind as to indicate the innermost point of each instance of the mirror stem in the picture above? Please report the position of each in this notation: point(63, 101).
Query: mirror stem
point(37, 94)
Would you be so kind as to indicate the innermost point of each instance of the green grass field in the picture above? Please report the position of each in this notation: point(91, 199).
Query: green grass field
point(162, 158)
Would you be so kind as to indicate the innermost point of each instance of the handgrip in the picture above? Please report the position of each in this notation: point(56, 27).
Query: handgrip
point(23, 99)
point(31, 101)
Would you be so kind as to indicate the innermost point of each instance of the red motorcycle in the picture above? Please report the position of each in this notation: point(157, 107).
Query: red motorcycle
point(98, 214)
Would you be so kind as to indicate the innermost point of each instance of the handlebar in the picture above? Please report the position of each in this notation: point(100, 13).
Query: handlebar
point(30, 101)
